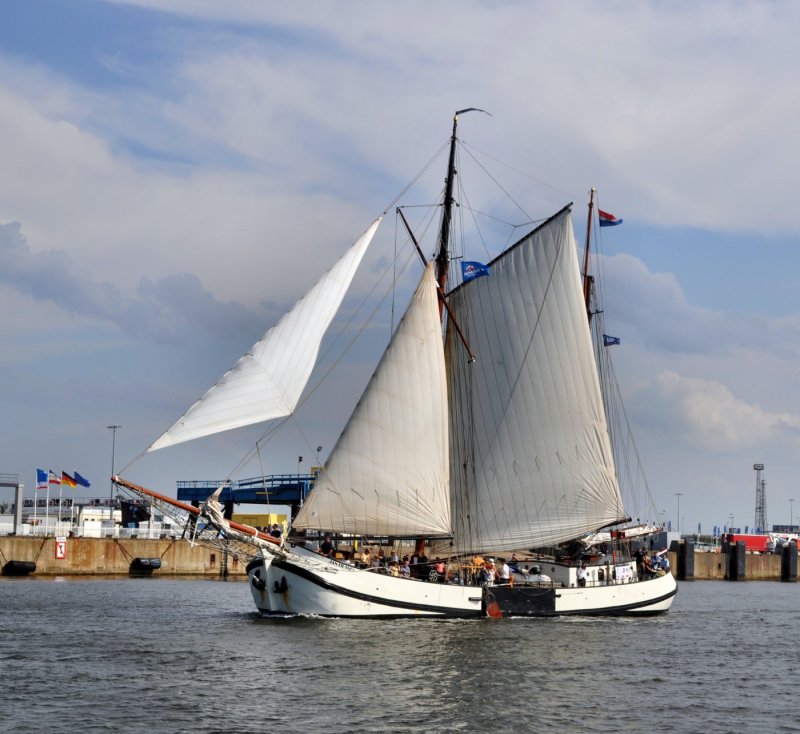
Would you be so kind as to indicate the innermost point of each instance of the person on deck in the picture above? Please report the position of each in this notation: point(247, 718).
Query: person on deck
point(583, 574)
point(476, 567)
point(535, 576)
point(503, 572)
point(639, 558)
point(487, 574)
point(326, 547)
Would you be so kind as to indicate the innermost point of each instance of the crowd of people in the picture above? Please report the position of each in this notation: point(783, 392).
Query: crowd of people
point(477, 571)
point(414, 566)
point(652, 564)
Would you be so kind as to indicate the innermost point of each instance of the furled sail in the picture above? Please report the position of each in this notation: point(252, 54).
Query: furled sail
point(388, 473)
point(532, 459)
point(267, 381)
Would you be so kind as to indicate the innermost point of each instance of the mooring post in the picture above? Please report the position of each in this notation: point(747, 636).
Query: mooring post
point(789, 562)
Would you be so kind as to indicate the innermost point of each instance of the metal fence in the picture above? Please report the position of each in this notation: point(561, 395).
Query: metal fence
point(66, 529)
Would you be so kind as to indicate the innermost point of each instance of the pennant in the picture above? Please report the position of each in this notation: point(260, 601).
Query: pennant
point(41, 479)
point(80, 480)
point(610, 341)
point(471, 270)
point(608, 220)
point(54, 478)
point(68, 480)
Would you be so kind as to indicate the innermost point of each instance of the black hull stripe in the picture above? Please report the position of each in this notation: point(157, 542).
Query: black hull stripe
point(433, 609)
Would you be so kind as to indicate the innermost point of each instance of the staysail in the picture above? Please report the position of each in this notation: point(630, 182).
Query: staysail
point(267, 381)
point(532, 459)
point(388, 473)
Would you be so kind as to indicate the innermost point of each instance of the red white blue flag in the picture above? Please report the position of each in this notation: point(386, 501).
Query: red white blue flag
point(608, 220)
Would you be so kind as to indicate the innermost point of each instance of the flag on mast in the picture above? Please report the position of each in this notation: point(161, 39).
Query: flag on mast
point(54, 478)
point(68, 480)
point(608, 220)
point(41, 479)
point(81, 480)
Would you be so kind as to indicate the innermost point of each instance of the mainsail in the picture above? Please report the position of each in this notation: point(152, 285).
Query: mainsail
point(388, 473)
point(532, 459)
point(267, 381)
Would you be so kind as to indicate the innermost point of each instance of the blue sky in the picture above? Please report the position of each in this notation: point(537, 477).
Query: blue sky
point(177, 173)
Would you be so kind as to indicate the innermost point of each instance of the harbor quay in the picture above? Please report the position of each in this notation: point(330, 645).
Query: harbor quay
point(79, 556)
point(71, 556)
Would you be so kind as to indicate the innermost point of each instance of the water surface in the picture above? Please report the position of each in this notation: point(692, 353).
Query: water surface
point(161, 655)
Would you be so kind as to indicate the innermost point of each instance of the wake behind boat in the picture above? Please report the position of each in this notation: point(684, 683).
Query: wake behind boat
point(490, 440)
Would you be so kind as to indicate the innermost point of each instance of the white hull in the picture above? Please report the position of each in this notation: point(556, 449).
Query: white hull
point(637, 598)
point(303, 582)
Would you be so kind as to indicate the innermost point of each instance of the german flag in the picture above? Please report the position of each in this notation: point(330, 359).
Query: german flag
point(68, 480)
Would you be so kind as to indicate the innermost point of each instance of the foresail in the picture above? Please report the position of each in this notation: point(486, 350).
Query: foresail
point(267, 381)
point(532, 461)
point(388, 473)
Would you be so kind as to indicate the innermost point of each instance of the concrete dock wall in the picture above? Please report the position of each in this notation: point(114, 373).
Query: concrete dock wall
point(91, 556)
point(714, 566)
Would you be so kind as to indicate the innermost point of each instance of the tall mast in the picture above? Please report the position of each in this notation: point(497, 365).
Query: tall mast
point(443, 256)
point(587, 280)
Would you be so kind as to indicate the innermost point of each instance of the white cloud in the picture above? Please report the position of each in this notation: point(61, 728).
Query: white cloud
point(706, 414)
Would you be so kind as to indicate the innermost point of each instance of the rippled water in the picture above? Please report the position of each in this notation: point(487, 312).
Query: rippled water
point(142, 655)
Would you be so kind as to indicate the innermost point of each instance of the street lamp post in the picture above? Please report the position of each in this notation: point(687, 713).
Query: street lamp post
point(113, 430)
point(679, 495)
point(791, 516)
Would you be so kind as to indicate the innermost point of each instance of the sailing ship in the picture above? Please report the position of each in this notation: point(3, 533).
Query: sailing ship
point(482, 432)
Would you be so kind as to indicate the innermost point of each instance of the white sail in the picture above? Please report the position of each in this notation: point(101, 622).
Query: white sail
point(532, 458)
point(267, 381)
point(388, 473)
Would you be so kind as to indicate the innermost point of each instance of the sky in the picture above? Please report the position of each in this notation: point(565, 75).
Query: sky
point(177, 173)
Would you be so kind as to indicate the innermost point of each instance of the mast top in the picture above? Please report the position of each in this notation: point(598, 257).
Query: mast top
point(443, 254)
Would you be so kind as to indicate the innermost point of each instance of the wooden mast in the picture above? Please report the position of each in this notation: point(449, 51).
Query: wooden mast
point(443, 255)
point(587, 279)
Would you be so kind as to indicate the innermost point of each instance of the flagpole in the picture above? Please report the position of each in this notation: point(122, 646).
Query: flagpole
point(35, 499)
point(47, 506)
point(113, 430)
point(60, 490)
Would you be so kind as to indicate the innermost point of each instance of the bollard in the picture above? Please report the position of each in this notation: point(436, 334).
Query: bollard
point(685, 551)
point(789, 562)
point(737, 567)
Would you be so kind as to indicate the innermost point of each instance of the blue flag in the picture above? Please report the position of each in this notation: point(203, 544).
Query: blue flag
point(41, 479)
point(610, 341)
point(80, 480)
point(471, 270)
